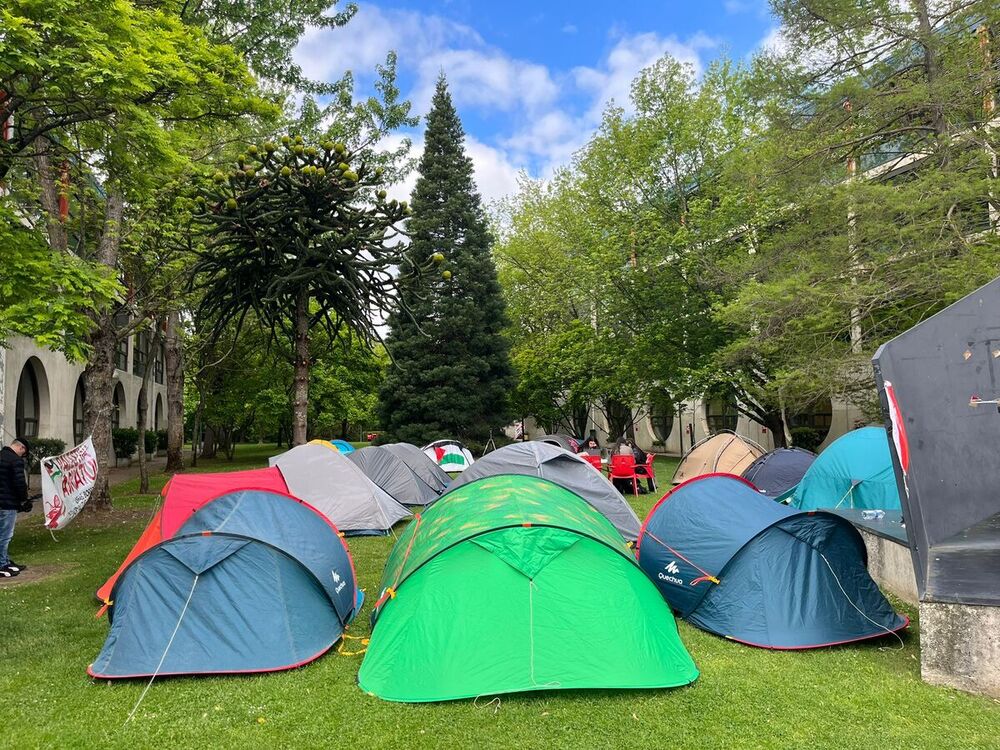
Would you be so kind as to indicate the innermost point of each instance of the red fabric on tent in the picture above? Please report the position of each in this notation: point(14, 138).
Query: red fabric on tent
point(182, 496)
point(185, 493)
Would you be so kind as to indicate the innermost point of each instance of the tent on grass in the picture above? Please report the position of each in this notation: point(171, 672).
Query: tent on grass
point(182, 495)
point(343, 446)
point(563, 441)
point(777, 473)
point(724, 452)
point(513, 583)
point(254, 581)
point(855, 471)
point(393, 475)
point(732, 562)
point(565, 469)
point(338, 489)
point(420, 464)
point(450, 455)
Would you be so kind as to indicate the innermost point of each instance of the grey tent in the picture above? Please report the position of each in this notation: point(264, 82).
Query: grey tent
point(550, 462)
point(338, 489)
point(420, 464)
point(563, 441)
point(393, 476)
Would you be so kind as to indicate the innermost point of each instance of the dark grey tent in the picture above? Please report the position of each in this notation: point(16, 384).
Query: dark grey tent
point(939, 384)
point(777, 473)
point(550, 462)
point(393, 476)
point(421, 464)
point(563, 441)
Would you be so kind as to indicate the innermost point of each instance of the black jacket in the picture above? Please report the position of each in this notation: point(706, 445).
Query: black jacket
point(13, 484)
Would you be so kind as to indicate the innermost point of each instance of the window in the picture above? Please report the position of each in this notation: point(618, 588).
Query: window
point(121, 355)
point(161, 356)
point(139, 344)
point(661, 416)
point(28, 408)
point(721, 414)
point(116, 407)
point(78, 400)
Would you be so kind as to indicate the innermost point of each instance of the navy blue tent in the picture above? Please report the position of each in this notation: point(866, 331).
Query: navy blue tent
point(254, 581)
point(734, 563)
point(777, 473)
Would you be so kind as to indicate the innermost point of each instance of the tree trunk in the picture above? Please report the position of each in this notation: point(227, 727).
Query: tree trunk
point(98, 377)
point(50, 186)
point(301, 398)
point(152, 346)
point(208, 450)
point(344, 425)
point(174, 371)
point(98, 384)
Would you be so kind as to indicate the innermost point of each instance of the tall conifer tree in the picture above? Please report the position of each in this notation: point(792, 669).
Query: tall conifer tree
point(451, 374)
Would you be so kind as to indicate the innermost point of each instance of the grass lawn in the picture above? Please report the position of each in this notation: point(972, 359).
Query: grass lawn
point(864, 696)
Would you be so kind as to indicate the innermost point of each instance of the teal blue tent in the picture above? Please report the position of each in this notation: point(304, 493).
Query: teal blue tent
point(855, 471)
point(254, 581)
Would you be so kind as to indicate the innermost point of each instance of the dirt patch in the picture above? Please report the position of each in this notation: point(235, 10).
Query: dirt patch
point(95, 519)
point(37, 573)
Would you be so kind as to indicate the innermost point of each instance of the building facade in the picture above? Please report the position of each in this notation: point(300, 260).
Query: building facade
point(672, 429)
point(42, 394)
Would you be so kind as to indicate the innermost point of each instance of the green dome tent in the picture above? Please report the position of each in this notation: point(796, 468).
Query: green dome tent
point(513, 583)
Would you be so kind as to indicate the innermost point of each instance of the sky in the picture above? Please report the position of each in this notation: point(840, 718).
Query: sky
point(529, 79)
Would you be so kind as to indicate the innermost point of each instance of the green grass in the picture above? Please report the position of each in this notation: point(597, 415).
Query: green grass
point(865, 696)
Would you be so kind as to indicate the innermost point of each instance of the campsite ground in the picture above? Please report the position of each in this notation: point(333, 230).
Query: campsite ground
point(864, 696)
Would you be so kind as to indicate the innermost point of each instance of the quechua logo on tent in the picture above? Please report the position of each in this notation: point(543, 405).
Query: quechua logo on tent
point(670, 573)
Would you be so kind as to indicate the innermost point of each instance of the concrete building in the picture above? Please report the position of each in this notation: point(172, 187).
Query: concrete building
point(673, 428)
point(42, 394)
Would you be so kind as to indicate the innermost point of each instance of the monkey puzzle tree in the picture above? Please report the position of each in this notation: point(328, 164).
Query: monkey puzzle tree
point(302, 235)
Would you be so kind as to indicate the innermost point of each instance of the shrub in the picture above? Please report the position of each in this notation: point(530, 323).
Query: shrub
point(43, 448)
point(161, 440)
point(807, 437)
point(151, 440)
point(125, 440)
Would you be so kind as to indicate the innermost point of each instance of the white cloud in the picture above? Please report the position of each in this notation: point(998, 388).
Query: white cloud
point(485, 79)
point(612, 80)
point(547, 115)
point(494, 172)
point(775, 41)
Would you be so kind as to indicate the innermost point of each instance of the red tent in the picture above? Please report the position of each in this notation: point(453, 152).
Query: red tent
point(182, 496)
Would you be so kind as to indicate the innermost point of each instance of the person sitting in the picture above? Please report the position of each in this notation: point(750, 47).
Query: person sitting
point(640, 463)
point(627, 447)
point(591, 447)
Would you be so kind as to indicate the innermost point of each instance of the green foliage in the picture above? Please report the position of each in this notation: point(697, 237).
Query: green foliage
point(43, 295)
point(125, 441)
point(299, 218)
point(150, 440)
point(451, 372)
point(161, 440)
point(44, 448)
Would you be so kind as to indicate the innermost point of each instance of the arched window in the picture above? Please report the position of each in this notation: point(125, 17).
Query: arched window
point(721, 414)
point(661, 417)
point(158, 413)
point(117, 406)
point(78, 400)
point(27, 413)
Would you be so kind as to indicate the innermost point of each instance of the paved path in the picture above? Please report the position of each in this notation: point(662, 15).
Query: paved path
point(117, 475)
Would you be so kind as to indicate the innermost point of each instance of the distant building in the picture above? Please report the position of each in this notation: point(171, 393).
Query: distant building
point(42, 394)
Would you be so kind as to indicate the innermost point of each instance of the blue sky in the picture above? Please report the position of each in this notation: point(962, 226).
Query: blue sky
point(530, 79)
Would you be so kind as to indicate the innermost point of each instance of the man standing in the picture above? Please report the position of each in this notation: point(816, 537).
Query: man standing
point(13, 497)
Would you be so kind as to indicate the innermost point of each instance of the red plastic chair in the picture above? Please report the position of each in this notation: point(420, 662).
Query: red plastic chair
point(647, 470)
point(594, 461)
point(623, 467)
